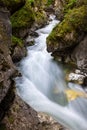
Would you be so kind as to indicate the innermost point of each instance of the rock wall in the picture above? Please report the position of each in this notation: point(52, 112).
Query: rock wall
point(12, 50)
point(7, 68)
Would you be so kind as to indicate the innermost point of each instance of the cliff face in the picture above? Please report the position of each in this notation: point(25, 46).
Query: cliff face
point(7, 68)
point(10, 50)
point(67, 37)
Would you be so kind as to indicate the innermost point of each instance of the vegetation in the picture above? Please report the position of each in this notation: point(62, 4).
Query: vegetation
point(49, 2)
point(23, 18)
point(74, 4)
point(66, 33)
point(17, 41)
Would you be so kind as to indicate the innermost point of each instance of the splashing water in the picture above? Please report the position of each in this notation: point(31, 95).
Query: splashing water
point(42, 85)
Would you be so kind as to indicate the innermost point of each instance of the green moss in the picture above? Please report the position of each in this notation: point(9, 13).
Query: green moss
point(74, 4)
point(23, 18)
point(77, 18)
point(17, 41)
point(40, 17)
point(70, 4)
point(49, 2)
point(67, 32)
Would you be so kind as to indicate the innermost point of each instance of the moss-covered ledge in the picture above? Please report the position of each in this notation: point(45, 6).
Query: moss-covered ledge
point(70, 31)
point(23, 18)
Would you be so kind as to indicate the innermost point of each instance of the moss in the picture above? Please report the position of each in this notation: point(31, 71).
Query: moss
point(49, 2)
point(77, 18)
point(74, 4)
point(23, 18)
point(67, 32)
point(40, 17)
point(17, 41)
point(70, 4)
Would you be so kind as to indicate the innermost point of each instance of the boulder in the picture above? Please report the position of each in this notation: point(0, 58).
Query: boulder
point(68, 33)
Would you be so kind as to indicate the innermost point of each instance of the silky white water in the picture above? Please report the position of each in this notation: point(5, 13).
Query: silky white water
point(42, 85)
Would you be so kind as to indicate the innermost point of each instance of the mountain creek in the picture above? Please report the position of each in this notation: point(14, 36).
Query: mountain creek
point(43, 65)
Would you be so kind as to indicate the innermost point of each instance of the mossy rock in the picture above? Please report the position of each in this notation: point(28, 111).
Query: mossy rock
point(68, 33)
point(17, 41)
point(77, 18)
point(13, 5)
point(40, 17)
point(23, 18)
point(74, 4)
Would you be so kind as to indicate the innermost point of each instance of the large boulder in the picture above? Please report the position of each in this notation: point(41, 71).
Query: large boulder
point(69, 33)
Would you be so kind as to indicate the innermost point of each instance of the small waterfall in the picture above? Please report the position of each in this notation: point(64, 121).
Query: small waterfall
point(43, 87)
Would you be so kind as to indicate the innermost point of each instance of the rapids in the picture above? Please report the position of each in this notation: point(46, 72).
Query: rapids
point(42, 85)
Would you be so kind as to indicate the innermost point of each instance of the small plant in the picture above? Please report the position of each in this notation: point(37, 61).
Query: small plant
point(70, 4)
point(49, 2)
point(16, 41)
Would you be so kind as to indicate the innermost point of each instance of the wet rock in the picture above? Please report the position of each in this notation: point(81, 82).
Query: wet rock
point(79, 55)
point(84, 84)
point(18, 54)
point(68, 34)
point(75, 77)
point(50, 10)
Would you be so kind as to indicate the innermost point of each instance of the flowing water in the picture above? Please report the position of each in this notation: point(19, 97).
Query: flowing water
point(42, 85)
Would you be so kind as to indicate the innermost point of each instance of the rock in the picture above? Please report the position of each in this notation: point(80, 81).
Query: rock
point(75, 78)
point(22, 20)
point(21, 116)
point(79, 55)
point(68, 33)
point(84, 85)
point(48, 123)
point(12, 5)
point(59, 9)
point(40, 18)
point(7, 68)
point(50, 9)
point(18, 54)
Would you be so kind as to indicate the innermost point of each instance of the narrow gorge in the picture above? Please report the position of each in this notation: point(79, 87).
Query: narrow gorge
point(43, 65)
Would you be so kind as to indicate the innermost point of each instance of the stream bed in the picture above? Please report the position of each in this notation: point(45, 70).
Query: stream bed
point(42, 85)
